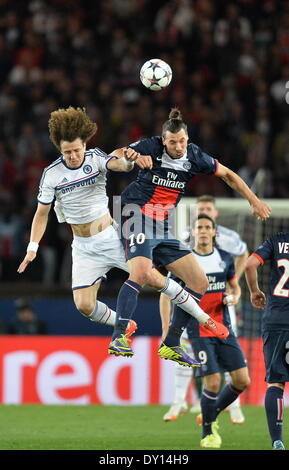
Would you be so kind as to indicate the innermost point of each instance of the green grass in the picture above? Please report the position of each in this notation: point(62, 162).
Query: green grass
point(38, 427)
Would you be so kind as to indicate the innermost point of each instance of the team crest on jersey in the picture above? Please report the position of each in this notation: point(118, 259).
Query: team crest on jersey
point(222, 264)
point(187, 165)
point(87, 169)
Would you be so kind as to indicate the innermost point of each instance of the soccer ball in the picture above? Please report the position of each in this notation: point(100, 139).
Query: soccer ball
point(155, 74)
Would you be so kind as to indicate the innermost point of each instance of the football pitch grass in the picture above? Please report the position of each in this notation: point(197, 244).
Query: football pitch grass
point(94, 427)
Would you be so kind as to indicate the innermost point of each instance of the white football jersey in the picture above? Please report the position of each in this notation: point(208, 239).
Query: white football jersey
point(230, 241)
point(79, 193)
point(226, 239)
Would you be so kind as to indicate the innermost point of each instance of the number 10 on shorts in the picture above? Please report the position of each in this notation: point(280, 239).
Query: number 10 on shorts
point(136, 239)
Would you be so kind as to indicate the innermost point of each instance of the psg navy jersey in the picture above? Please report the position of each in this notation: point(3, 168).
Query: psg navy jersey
point(276, 250)
point(165, 183)
point(219, 268)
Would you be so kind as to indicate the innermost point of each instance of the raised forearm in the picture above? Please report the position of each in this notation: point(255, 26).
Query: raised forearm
point(121, 163)
point(236, 291)
point(126, 158)
point(260, 209)
point(235, 182)
point(252, 278)
point(240, 264)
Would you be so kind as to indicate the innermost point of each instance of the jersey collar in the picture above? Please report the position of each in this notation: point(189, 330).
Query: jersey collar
point(184, 157)
point(207, 254)
point(68, 167)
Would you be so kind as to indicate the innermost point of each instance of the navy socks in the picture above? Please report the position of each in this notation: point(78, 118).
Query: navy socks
point(178, 324)
point(125, 307)
point(179, 321)
point(274, 411)
point(208, 406)
point(227, 395)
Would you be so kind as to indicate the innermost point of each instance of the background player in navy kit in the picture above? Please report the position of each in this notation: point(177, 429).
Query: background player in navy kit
point(216, 355)
point(175, 162)
point(227, 240)
point(275, 325)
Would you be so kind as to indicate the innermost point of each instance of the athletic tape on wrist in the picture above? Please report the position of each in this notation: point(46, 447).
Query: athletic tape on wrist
point(129, 164)
point(32, 246)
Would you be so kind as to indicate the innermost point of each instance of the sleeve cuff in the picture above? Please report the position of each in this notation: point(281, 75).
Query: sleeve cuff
point(217, 167)
point(258, 258)
point(45, 203)
point(111, 158)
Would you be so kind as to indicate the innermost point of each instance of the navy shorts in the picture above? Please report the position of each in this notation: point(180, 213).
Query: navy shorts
point(276, 355)
point(151, 239)
point(217, 355)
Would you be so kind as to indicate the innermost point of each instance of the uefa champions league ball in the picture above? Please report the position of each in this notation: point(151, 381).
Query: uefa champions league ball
point(155, 74)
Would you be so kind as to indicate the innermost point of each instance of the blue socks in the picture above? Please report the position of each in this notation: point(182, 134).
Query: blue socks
point(125, 307)
point(227, 395)
point(178, 324)
point(274, 411)
point(179, 321)
point(212, 404)
point(208, 406)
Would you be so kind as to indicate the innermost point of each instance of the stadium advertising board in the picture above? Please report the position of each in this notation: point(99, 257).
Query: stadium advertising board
point(78, 370)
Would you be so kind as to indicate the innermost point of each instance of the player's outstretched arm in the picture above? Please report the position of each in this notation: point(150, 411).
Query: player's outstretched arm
point(240, 263)
point(260, 209)
point(257, 297)
point(38, 228)
point(126, 158)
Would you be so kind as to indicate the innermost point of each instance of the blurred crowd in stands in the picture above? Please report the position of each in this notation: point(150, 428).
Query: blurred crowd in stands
point(230, 63)
point(25, 322)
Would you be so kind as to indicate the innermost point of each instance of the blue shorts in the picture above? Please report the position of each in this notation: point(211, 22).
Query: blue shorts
point(217, 355)
point(151, 239)
point(276, 355)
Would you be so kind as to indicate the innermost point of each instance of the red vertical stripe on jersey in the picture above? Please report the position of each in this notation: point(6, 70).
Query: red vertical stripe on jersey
point(212, 304)
point(162, 201)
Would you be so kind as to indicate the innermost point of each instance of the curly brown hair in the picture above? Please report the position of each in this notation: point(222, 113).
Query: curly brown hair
point(69, 124)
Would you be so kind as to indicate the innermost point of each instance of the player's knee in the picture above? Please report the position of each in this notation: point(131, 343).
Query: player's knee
point(204, 286)
point(155, 280)
point(247, 382)
point(242, 382)
point(215, 387)
point(84, 306)
point(213, 383)
point(199, 285)
point(142, 277)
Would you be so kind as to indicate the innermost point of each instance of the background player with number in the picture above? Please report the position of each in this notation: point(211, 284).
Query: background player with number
point(216, 355)
point(275, 325)
point(227, 240)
